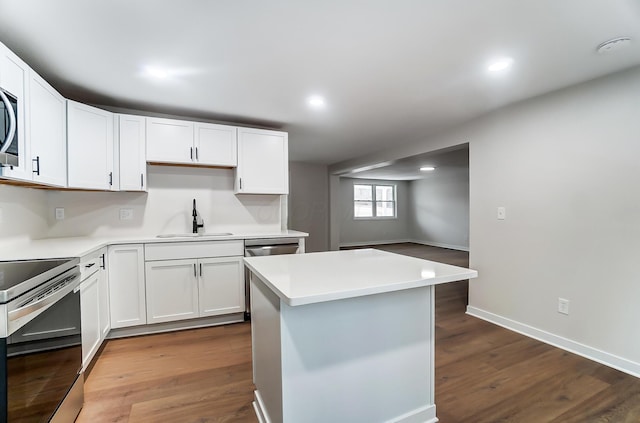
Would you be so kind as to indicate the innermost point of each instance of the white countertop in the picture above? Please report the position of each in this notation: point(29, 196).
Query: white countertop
point(300, 279)
point(80, 246)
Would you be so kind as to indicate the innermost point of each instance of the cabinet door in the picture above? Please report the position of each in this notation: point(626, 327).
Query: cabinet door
point(14, 74)
point(133, 163)
point(48, 132)
point(90, 315)
point(127, 305)
point(172, 290)
point(221, 286)
point(169, 141)
point(215, 145)
point(103, 295)
point(263, 162)
point(89, 147)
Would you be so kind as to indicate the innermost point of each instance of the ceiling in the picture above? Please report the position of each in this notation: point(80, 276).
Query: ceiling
point(390, 71)
point(408, 169)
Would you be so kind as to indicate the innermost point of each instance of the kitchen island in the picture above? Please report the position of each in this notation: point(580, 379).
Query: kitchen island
point(345, 336)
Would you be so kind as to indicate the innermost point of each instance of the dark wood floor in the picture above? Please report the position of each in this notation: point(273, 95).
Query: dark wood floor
point(484, 373)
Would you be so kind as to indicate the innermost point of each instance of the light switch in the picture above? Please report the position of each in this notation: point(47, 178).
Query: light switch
point(502, 213)
point(59, 213)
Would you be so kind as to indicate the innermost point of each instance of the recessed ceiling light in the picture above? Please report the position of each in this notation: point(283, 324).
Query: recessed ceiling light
point(155, 72)
point(427, 168)
point(501, 64)
point(613, 45)
point(316, 102)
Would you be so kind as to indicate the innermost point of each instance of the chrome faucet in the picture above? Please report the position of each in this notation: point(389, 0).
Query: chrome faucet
point(196, 225)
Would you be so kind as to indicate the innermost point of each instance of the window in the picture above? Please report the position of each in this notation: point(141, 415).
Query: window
point(374, 201)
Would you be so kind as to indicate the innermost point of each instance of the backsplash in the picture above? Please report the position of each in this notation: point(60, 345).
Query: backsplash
point(23, 213)
point(165, 208)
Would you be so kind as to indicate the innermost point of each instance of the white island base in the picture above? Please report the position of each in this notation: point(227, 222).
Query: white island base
point(345, 336)
point(365, 359)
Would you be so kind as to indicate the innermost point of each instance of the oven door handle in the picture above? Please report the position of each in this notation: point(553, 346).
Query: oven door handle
point(31, 309)
point(12, 122)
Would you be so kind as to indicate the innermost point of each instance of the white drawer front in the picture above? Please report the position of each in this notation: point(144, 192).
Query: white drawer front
point(193, 249)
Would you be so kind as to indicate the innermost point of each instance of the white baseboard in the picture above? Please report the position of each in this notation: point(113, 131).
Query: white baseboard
point(151, 329)
point(363, 244)
point(602, 357)
point(426, 414)
point(440, 244)
point(258, 407)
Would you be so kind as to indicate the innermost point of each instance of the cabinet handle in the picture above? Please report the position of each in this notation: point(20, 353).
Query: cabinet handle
point(195, 271)
point(191, 153)
point(89, 265)
point(196, 153)
point(240, 183)
point(142, 180)
point(200, 269)
point(110, 178)
point(37, 162)
point(103, 264)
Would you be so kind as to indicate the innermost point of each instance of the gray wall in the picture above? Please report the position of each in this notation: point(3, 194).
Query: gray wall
point(372, 231)
point(565, 166)
point(439, 206)
point(309, 203)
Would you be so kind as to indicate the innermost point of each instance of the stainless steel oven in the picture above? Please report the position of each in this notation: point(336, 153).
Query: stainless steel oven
point(8, 129)
point(40, 343)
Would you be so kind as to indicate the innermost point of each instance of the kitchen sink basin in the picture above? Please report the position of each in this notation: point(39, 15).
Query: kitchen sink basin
point(191, 235)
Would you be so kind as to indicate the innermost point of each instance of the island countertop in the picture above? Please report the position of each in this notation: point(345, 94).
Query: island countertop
point(300, 279)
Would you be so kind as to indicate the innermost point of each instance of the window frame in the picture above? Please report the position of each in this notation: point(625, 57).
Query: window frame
point(374, 201)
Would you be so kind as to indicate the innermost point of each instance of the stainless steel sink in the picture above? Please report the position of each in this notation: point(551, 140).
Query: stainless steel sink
point(191, 235)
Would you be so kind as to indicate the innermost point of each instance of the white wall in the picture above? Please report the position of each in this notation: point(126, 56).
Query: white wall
point(309, 203)
point(567, 168)
point(23, 214)
point(439, 208)
point(372, 231)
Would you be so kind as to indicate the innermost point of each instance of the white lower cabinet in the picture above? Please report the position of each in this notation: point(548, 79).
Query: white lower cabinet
point(172, 290)
point(103, 295)
point(183, 283)
point(221, 286)
point(90, 315)
point(127, 302)
point(94, 303)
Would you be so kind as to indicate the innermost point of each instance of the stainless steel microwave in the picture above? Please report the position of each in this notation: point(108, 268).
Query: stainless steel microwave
point(8, 129)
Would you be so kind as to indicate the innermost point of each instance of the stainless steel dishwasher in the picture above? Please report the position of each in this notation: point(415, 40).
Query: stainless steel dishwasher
point(265, 247)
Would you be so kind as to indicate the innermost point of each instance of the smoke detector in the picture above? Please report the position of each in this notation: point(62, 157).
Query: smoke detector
point(613, 45)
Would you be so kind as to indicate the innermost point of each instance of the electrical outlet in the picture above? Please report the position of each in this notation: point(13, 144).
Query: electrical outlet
point(59, 213)
point(563, 306)
point(502, 213)
point(126, 214)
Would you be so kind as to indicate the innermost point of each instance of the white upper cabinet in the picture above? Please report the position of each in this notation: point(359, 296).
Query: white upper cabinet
point(263, 162)
point(14, 75)
point(215, 145)
point(90, 147)
point(47, 133)
point(190, 143)
point(133, 163)
point(169, 140)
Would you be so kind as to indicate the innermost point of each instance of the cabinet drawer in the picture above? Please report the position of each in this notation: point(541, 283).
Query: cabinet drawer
point(193, 249)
